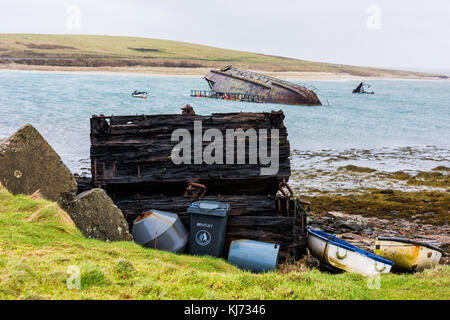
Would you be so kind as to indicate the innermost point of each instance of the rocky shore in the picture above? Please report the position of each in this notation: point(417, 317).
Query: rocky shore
point(388, 196)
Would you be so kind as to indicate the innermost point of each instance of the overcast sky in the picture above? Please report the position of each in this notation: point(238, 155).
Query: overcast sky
point(381, 33)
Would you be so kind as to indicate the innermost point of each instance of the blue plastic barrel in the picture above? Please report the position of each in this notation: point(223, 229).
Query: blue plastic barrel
point(253, 255)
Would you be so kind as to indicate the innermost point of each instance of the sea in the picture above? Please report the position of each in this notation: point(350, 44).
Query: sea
point(410, 117)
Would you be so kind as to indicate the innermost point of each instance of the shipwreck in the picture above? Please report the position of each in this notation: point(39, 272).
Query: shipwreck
point(235, 84)
point(131, 159)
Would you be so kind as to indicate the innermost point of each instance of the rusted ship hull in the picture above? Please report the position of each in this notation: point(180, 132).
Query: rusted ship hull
point(273, 90)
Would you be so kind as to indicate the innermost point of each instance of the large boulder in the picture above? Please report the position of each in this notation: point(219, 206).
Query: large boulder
point(96, 216)
point(28, 163)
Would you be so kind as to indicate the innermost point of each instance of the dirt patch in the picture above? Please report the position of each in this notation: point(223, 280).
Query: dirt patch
point(107, 62)
point(145, 49)
point(46, 46)
point(33, 53)
point(305, 264)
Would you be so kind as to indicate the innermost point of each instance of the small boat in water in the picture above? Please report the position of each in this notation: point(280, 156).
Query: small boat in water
point(139, 94)
point(408, 254)
point(339, 254)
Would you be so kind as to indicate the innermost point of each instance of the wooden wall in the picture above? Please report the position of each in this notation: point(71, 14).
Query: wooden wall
point(130, 158)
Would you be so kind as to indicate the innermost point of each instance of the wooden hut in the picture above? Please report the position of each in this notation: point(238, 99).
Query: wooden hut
point(132, 159)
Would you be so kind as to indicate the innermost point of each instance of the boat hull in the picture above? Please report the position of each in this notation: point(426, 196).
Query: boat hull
point(272, 90)
point(341, 258)
point(407, 256)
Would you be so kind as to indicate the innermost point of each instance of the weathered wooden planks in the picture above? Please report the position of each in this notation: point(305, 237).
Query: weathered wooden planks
point(255, 205)
point(137, 150)
point(130, 157)
point(251, 217)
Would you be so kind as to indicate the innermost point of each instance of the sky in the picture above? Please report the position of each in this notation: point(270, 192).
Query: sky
point(405, 34)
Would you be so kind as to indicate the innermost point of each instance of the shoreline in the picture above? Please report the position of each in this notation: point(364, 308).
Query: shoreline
point(200, 72)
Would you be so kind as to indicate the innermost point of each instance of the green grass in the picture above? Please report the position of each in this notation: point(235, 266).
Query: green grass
point(98, 51)
point(37, 253)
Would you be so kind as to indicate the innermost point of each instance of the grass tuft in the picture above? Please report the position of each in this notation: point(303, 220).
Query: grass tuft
point(92, 275)
point(124, 268)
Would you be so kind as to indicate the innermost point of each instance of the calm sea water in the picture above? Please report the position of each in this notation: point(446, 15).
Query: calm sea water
point(59, 105)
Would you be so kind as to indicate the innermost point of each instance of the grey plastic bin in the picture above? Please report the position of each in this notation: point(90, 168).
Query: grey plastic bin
point(253, 255)
point(208, 223)
point(160, 230)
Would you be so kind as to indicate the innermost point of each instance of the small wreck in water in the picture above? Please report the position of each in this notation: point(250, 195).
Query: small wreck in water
point(360, 88)
point(235, 84)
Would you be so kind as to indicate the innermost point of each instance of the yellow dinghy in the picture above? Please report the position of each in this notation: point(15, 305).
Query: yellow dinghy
point(408, 254)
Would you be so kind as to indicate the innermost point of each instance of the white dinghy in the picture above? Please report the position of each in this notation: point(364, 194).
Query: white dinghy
point(408, 254)
point(339, 254)
point(139, 94)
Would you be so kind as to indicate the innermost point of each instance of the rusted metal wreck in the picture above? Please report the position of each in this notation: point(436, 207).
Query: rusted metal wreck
point(131, 160)
point(234, 82)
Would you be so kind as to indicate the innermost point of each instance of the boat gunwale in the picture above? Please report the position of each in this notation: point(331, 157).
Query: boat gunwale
point(348, 246)
point(408, 241)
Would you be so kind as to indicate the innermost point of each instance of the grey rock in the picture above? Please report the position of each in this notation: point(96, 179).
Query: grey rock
point(96, 216)
point(28, 163)
point(349, 225)
point(330, 229)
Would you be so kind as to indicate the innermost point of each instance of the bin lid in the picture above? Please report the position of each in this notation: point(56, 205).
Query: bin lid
point(213, 208)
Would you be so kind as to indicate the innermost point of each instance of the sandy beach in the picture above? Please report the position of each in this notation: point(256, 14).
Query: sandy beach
point(200, 72)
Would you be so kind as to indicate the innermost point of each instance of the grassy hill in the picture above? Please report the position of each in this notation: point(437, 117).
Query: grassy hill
point(38, 246)
point(115, 51)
